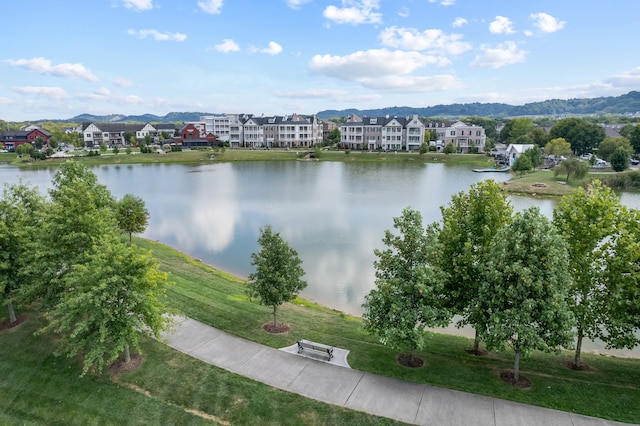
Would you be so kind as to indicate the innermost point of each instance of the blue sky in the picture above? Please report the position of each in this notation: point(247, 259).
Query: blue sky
point(67, 57)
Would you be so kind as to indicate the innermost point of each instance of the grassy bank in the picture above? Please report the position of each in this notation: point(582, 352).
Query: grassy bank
point(168, 388)
point(232, 155)
point(610, 389)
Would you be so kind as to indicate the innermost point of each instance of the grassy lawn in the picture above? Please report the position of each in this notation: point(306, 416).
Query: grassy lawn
point(231, 155)
point(610, 389)
point(168, 388)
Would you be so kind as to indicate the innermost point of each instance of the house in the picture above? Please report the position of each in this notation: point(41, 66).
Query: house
point(465, 137)
point(12, 139)
point(113, 134)
point(515, 150)
point(194, 135)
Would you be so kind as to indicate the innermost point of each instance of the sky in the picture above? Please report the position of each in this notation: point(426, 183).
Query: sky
point(274, 57)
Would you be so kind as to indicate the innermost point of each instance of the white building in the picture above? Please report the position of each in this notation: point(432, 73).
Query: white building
point(384, 133)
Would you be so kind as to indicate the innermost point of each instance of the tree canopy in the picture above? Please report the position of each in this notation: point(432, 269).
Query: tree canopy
point(516, 128)
point(609, 145)
point(409, 288)
point(572, 167)
point(582, 135)
point(132, 215)
point(558, 147)
point(21, 212)
point(469, 223)
point(588, 219)
point(113, 298)
point(278, 275)
point(523, 298)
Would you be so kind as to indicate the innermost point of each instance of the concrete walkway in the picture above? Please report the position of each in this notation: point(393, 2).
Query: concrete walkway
point(357, 390)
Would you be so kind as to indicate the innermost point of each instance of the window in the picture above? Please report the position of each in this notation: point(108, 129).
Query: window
point(453, 133)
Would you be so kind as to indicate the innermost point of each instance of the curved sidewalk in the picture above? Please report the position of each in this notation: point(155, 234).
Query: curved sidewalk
point(358, 390)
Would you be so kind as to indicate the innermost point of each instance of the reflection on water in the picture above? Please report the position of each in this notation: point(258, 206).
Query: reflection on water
point(333, 214)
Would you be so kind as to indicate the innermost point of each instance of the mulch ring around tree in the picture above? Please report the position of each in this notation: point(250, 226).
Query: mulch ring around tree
point(276, 328)
point(6, 325)
point(407, 361)
point(569, 364)
point(522, 383)
point(120, 366)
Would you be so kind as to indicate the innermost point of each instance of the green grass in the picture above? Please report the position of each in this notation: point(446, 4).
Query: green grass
point(37, 388)
point(232, 155)
point(610, 389)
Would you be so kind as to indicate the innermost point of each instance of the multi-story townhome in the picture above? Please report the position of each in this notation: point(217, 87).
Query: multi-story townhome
point(385, 133)
point(465, 137)
point(253, 132)
point(113, 134)
point(327, 127)
point(219, 125)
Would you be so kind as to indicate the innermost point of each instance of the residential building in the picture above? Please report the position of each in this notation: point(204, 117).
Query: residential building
point(515, 150)
point(11, 139)
point(465, 137)
point(382, 133)
point(113, 134)
point(194, 135)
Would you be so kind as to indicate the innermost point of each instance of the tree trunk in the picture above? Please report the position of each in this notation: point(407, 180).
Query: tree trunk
point(576, 358)
point(129, 238)
point(12, 313)
point(127, 355)
point(476, 343)
point(274, 316)
point(516, 367)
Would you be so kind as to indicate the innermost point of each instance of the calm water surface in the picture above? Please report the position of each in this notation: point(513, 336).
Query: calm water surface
point(333, 214)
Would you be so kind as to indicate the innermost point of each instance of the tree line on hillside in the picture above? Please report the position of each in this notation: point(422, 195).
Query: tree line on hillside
point(65, 256)
point(623, 104)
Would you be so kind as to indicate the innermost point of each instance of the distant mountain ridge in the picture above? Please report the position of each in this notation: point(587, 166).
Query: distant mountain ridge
point(628, 103)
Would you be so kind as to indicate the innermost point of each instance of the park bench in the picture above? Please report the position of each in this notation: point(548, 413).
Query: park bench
point(317, 347)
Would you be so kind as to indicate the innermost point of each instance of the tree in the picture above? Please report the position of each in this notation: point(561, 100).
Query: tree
point(132, 215)
point(25, 149)
point(522, 164)
point(539, 136)
point(609, 145)
point(515, 128)
point(469, 223)
point(572, 167)
point(278, 274)
point(582, 135)
point(80, 211)
point(622, 277)
point(634, 138)
point(449, 148)
point(21, 212)
point(523, 299)
point(423, 149)
point(535, 155)
point(620, 159)
point(587, 219)
point(558, 147)
point(115, 150)
point(408, 294)
point(334, 136)
point(113, 298)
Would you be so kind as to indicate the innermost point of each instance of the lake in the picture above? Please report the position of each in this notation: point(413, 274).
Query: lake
point(333, 213)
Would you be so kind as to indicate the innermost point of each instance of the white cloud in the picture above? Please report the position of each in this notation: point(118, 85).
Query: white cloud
point(212, 7)
point(506, 53)
point(157, 35)
point(138, 5)
point(123, 82)
point(458, 22)
point(43, 66)
point(354, 12)
point(273, 49)
point(46, 91)
point(295, 4)
point(444, 2)
point(376, 63)
point(546, 23)
point(403, 12)
point(501, 25)
point(227, 45)
point(102, 91)
point(432, 40)
point(413, 84)
point(628, 80)
point(337, 96)
point(5, 101)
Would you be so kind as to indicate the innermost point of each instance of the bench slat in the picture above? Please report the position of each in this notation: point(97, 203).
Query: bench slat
point(318, 347)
